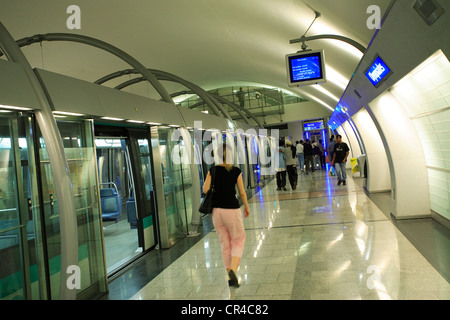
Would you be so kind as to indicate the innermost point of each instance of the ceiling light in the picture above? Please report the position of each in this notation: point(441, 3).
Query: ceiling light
point(154, 123)
point(68, 113)
point(326, 92)
point(136, 121)
point(14, 108)
point(111, 118)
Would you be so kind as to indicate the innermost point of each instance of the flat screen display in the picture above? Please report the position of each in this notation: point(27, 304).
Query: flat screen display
point(306, 68)
point(310, 126)
point(378, 71)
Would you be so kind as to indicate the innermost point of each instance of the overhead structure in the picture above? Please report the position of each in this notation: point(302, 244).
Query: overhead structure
point(352, 42)
point(162, 75)
point(104, 46)
point(58, 162)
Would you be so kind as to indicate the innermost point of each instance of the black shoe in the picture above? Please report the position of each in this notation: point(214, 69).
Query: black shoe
point(343, 182)
point(284, 189)
point(339, 182)
point(278, 189)
point(233, 282)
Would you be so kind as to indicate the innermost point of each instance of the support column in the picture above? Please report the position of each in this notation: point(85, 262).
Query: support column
point(58, 162)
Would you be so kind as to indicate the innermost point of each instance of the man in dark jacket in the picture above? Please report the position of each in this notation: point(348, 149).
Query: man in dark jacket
point(340, 155)
point(309, 156)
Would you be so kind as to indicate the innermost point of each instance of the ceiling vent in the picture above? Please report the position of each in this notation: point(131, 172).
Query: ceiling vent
point(429, 10)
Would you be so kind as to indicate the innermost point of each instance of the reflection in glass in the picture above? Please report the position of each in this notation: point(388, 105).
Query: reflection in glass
point(80, 154)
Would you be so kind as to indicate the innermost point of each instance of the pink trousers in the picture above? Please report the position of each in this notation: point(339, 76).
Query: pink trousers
point(230, 230)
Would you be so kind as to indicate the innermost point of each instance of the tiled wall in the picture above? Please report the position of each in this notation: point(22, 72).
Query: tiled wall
point(425, 94)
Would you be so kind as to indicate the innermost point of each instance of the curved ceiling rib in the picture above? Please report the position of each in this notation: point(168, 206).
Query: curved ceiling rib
point(352, 42)
point(162, 75)
point(104, 46)
point(212, 97)
point(236, 107)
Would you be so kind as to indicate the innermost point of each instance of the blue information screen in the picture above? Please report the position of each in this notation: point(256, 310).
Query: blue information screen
point(313, 126)
point(377, 71)
point(305, 68)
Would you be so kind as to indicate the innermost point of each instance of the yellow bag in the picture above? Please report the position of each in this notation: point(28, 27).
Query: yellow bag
point(354, 163)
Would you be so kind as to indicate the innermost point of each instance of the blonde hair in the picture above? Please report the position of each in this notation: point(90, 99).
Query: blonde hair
point(224, 158)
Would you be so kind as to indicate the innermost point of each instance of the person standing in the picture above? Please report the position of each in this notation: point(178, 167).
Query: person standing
point(309, 156)
point(330, 148)
point(291, 162)
point(241, 97)
point(317, 154)
point(300, 156)
point(340, 155)
point(227, 215)
point(322, 154)
point(281, 170)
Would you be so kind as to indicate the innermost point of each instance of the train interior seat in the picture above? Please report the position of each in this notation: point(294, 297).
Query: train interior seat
point(131, 210)
point(110, 202)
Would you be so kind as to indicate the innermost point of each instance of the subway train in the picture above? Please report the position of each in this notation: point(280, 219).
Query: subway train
point(136, 165)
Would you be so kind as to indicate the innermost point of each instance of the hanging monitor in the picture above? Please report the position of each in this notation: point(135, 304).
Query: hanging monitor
point(313, 125)
point(306, 68)
point(378, 71)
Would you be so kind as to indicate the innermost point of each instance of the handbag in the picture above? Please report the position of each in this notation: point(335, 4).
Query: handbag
point(206, 206)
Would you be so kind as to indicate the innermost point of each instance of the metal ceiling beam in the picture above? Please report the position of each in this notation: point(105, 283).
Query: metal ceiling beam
point(352, 42)
point(137, 80)
point(162, 75)
point(212, 97)
point(236, 107)
point(104, 46)
point(58, 163)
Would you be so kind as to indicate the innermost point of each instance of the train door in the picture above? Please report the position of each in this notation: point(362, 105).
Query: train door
point(126, 194)
point(252, 149)
point(22, 273)
point(30, 238)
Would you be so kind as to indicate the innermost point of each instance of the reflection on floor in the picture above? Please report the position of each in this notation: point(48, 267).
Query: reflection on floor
point(321, 241)
point(121, 243)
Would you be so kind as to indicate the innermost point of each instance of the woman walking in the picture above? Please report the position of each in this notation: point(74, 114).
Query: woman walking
point(227, 216)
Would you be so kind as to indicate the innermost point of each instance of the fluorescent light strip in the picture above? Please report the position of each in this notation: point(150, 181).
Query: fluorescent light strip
point(111, 118)
point(326, 92)
point(14, 108)
point(154, 123)
point(68, 113)
point(135, 121)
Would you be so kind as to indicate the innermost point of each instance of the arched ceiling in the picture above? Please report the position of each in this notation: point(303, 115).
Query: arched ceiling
point(210, 43)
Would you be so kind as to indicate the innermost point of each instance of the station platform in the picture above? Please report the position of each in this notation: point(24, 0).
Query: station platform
point(318, 242)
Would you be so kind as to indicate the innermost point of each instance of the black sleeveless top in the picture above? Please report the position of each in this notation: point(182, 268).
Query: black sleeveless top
point(225, 188)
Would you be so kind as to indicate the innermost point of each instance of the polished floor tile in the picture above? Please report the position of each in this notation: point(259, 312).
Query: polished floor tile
point(320, 241)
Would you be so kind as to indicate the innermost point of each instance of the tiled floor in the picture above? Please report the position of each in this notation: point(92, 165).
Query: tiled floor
point(320, 241)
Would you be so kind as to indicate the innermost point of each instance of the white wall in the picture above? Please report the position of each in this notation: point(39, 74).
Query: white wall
point(410, 196)
point(298, 112)
point(404, 41)
point(425, 96)
point(295, 131)
point(378, 175)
